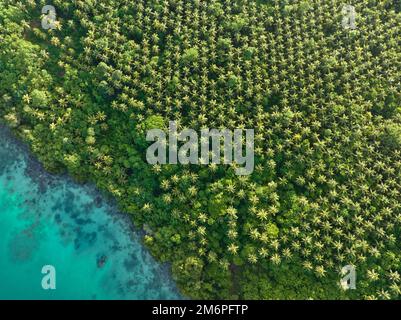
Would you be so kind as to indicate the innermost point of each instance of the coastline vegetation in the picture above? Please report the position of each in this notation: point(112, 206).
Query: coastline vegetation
point(324, 102)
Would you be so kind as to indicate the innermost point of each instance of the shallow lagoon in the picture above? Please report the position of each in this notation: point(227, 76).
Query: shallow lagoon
point(50, 220)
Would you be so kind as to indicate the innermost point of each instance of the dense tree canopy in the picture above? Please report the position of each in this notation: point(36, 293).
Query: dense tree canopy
point(324, 102)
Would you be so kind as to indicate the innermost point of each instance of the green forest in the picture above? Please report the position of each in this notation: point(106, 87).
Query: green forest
point(324, 101)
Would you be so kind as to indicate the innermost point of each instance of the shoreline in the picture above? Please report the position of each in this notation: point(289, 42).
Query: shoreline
point(44, 179)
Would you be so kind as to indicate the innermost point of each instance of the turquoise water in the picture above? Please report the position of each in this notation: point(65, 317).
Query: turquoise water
point(50, 220)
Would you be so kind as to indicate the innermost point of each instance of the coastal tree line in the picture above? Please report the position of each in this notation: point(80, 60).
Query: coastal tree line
point(324, 102)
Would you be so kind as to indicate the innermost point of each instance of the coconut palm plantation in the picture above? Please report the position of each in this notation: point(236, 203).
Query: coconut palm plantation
point(319, 85)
